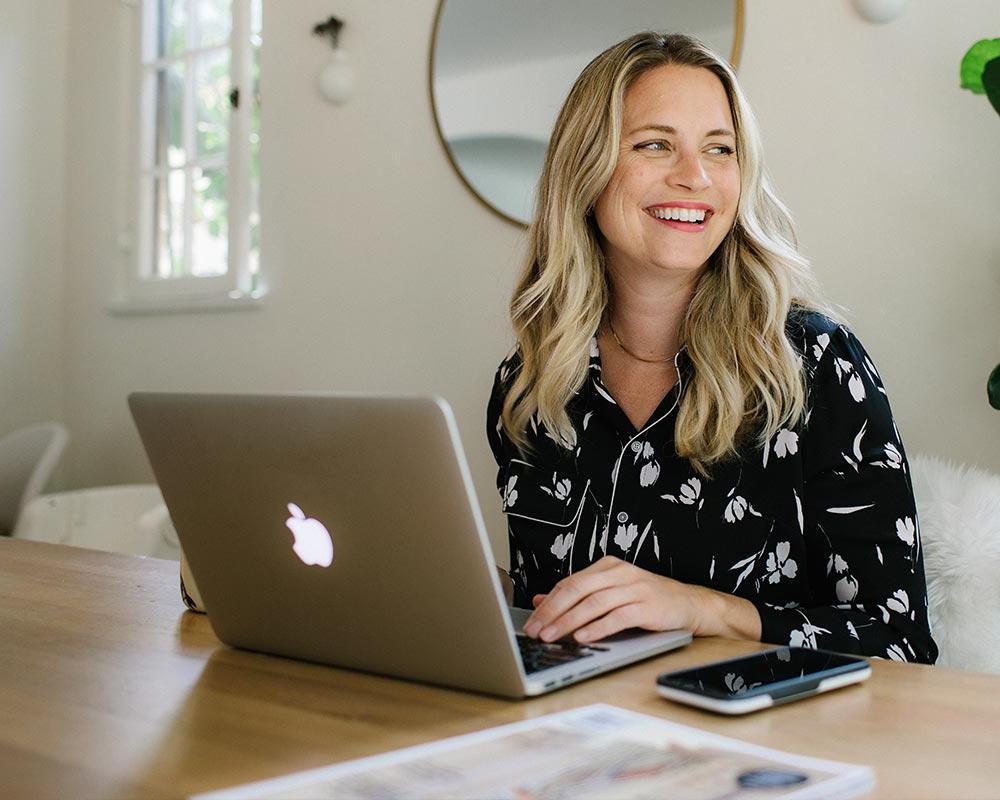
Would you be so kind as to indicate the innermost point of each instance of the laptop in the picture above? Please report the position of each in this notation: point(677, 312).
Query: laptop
point(344, 529)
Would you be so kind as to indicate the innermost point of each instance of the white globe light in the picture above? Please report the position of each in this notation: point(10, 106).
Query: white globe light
point(336, 79)
point(879, 10)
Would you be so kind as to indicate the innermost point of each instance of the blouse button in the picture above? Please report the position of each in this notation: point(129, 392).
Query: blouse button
point(622, 517)
point(636, 447)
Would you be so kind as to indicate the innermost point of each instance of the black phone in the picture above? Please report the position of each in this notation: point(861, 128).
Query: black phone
point(750, 683)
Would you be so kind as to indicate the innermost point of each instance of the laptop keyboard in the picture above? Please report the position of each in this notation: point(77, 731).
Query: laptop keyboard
point(538, 655)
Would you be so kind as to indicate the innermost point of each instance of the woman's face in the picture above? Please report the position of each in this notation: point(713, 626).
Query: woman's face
point(677, 156)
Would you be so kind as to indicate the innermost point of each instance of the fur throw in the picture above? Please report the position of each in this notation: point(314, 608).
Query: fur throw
point(959, 512)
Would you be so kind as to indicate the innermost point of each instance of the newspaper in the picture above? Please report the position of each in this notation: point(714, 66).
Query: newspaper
point(596, 751)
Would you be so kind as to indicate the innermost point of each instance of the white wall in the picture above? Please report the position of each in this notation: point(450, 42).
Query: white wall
point(388, 275)
point(32, 179)
point(893, 174)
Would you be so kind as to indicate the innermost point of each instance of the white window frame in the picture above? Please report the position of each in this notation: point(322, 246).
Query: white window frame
point(137, 290)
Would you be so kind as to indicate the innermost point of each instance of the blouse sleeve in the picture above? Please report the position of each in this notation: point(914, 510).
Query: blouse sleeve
point(501, 446)
point(858, 518)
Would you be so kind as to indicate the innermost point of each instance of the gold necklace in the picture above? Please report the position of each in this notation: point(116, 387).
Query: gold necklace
point(636, 357)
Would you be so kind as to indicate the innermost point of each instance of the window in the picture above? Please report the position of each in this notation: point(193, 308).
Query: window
point(195, 229)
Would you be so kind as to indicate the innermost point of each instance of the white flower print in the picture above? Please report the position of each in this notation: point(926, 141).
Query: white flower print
point(836, 564)
point(786, 443)
point(843, 367)
point(820, 347)
point(561, 487)
point(586, 419)
point(649, 473)
point(735, 509)
point(626, 536)
point(738, 507)
point(893, 458)
point(848, 509)
point(603, 393)
point(690, 491)
point(852, 630)
point(806, 636)
point(510, 493)
point(847, 589)
point(567, 443)
point(905, 530)
point(747, 564)
point(560, 547)
point(645, 532)
point(857, 387)
point(895, 652)
point(899, 602)
point(871, 368)
point(778, 563)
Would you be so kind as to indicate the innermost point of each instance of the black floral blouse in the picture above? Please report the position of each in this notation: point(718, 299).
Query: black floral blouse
point(818, 530)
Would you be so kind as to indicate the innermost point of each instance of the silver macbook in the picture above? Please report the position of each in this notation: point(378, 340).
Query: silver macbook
point(344, 529)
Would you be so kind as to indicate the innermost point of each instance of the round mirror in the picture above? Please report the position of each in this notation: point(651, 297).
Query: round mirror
point(500, 70)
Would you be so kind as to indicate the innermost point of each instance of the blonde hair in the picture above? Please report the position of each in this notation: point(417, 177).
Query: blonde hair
point(747, 376)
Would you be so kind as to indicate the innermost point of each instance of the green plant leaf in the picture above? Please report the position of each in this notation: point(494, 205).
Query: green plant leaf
point(991, 82)
point(974, 61)
point(993, 387)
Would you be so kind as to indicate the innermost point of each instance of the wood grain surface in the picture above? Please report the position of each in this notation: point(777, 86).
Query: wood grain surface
point(111, 689)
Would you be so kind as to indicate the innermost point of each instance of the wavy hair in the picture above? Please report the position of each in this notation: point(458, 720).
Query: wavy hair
point(747, 375)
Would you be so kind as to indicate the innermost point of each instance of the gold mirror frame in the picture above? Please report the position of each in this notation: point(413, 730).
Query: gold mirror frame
point(738, 24)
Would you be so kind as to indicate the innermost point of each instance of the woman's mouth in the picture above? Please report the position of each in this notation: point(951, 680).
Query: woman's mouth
point(691, 220)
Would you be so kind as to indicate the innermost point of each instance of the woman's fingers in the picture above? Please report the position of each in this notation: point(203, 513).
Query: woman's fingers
point(592, 607)
point(569, 591)
point(620, 619)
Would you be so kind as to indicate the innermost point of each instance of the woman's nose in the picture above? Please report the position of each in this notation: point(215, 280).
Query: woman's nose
point(688, 172)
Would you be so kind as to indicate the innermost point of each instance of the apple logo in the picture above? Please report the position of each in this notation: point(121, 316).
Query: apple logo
point(312, 540)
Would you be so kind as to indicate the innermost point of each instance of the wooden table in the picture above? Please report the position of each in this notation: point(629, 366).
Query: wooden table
point(108, 688)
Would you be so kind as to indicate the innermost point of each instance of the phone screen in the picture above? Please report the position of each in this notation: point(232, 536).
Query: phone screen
point(757, 673)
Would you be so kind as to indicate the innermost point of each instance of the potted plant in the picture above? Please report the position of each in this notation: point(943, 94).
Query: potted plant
point(981, 74)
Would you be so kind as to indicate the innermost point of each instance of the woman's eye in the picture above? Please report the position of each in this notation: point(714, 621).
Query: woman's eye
point(660, 146)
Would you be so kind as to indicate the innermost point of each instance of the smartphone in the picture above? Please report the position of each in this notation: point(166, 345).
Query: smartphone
point(769, 678)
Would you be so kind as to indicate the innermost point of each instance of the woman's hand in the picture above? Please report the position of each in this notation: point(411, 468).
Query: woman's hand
point(612, 595)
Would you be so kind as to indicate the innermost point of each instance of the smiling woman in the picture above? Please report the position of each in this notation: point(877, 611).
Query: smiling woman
point(686, 436)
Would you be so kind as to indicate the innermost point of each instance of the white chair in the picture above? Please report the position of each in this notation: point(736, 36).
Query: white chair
point(959, 512)
point(121, 519)
point(27, 458)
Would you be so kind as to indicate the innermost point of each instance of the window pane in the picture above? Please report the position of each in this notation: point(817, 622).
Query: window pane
point(168, 224)
point(168, 134)
point(255, 16)
point(209, 221)
point(215, 21)
point(212, 86)
point(253, 266)
point(171, 28)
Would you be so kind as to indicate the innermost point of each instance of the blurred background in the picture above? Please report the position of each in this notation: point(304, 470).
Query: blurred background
point(328, 230)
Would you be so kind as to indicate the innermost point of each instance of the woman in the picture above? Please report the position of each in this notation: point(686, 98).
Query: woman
point(686, 436)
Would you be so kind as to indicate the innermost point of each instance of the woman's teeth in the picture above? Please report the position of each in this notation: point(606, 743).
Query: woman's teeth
point(680, 214)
